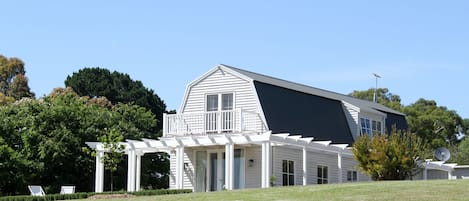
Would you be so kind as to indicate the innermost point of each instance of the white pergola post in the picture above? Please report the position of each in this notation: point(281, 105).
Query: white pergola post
point(425, 172)
point(138, 171)
point(265, 176)
point(229, 160)
point(131, 170)
point(180, 167)
point(99, 177)
point(339, 167)
point(305, 166)
point(450, 174)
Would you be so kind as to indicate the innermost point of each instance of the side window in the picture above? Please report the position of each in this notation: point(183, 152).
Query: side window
point(288, 173)
point(322, 174)
point(352, 176)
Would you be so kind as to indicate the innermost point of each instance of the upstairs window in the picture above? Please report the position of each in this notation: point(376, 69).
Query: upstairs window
point(370, 127)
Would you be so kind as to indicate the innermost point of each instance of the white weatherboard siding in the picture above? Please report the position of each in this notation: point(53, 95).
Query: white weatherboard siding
point(253, 174)
point(324, 159)
point(437, 174)
point(221, 82)
point(351, 114)
point(188, 173)
point(279, 154)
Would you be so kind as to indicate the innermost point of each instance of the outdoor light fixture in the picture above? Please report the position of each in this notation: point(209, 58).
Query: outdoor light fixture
point(251, 162)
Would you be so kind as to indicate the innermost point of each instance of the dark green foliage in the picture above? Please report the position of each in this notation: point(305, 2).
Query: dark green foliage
point(53, 197)
point(396, 156)
point(13, 82)
point(41, 140)
point(117, 88)
point(383, 96)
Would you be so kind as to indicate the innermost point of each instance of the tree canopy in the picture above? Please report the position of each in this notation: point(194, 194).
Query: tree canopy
point(41, 140)
point(383, 96)
point(13, 80)
point(118, 88)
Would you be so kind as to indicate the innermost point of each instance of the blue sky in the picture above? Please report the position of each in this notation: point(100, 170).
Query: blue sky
point(420, 48)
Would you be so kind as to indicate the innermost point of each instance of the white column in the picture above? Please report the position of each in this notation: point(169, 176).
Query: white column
point(131, 171)
point(229, 166)
point(265, 172)
point(450, 174)
point(339, 167)
point(180, 167)
point(305, 167)
point(99, 177)
point(138, 172)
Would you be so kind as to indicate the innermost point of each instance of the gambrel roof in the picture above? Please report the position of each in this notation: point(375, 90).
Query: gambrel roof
point(362, 104)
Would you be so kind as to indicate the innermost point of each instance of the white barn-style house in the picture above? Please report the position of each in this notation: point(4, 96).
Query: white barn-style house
point(238, 129)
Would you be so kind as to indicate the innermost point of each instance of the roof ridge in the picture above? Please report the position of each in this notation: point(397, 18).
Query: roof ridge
point(329, 94)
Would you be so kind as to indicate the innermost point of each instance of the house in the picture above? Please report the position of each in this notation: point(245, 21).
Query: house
point(239, 129)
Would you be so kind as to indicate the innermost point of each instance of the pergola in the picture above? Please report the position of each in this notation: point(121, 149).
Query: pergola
point(137, 148)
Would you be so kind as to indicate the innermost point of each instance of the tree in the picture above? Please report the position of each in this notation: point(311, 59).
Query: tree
point(41, 140)
point(116, 87)
point(113, 156)
point(13, 82)
point(436, 125)
point(396, 156)
point(383, 96)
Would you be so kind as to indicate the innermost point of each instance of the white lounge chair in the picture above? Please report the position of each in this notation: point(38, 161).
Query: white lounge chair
point(36, 190)
point(67, 190)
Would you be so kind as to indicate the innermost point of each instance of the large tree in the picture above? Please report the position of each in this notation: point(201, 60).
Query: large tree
point(41, 140)
point(116, 87)
point(436, 125)
point(13, 81)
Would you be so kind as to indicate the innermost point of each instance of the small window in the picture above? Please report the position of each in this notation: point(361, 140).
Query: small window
point(370, 127)
point(352, 176)
point(322, 174)
point(212, 103)
point(288, 173)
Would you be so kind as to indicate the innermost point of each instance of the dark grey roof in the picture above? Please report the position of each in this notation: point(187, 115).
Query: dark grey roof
point(362, 104)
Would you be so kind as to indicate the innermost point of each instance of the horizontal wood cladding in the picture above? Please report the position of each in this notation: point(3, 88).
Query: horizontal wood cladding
point(221, 82)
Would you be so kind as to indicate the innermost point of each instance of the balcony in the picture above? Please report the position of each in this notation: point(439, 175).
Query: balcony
point(217, 122)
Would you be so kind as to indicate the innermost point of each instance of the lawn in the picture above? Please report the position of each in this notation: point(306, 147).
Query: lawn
point(389, 190)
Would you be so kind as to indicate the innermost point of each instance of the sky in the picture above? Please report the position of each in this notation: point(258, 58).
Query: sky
point(419, 48)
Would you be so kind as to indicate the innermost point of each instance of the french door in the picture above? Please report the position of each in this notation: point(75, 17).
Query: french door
point(219, 116)
point(210, 170)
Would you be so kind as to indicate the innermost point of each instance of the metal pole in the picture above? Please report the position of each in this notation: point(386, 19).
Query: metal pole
point(376, 86)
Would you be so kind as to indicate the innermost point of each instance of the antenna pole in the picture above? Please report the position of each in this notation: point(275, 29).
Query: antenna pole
point(376, 86)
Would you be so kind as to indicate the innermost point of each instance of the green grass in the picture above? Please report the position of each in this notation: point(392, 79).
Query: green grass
point(389, 190)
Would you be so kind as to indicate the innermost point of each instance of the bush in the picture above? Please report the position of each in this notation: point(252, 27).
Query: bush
point(53, 197)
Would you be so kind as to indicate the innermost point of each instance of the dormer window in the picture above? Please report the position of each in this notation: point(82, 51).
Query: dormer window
point(370, 127)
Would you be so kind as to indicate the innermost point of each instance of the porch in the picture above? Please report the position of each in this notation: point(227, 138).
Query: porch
point(224, 161)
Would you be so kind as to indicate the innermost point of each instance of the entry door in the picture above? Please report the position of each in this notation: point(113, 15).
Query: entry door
point(216, 170)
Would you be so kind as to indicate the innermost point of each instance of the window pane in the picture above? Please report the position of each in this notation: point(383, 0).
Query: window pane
point(291, 167)
point(374, 125)
point(324, 181)
point(284, 166)
point(227, 101)
point(319, 172)
point(379, 126)
point(354, 176)
point(349, 176)
point(291, 181)
point(285, 180)
point(324, 172)
point(212, 103)
point(319, 181)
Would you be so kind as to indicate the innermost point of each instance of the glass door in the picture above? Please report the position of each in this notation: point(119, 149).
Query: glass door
point(216, 170)
point(201, 171)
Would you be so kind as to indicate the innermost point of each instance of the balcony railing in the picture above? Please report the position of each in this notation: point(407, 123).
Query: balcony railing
point(204, 123)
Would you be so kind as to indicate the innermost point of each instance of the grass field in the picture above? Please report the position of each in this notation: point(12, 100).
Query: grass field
point(389, 190)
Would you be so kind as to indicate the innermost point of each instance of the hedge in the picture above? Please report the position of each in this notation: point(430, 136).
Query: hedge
point(53, 197)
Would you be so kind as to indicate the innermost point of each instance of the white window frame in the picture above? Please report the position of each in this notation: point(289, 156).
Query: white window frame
point(324, 179)
point(289, 173)
point(352, 176)
point(370, 126)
